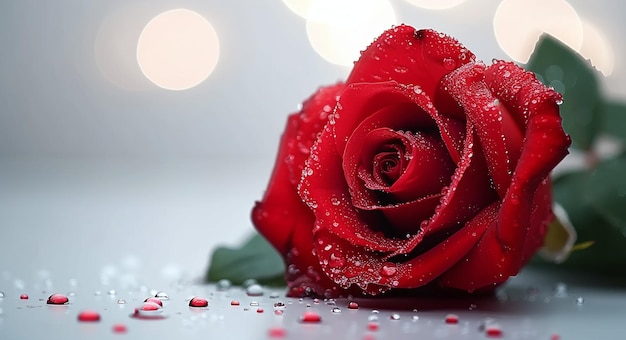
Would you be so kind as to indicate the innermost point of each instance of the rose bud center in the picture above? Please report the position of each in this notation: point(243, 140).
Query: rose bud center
point(404, 166)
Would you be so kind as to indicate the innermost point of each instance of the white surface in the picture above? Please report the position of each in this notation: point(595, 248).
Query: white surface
point(87, 227)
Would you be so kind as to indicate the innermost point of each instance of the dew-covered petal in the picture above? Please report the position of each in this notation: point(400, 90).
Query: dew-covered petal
point(483, 109)
point(323, 188)
point(409, 56)
point(281, 210)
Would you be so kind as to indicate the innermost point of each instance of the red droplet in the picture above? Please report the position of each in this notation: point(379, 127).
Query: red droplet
point(198, 302)
point(493, 331)
point(278, 312)
point(234, 303)
point(353, 305)
point(150, 306)
point(310, 316)
point(24, 296)
point(555, 337)
point(57, 299)
point(449, 64)
point(154, 300)
point(259, 310)
point(88, 316)
point(119, 328)
point(372, 326)
point(452, 319)
point(277, 332)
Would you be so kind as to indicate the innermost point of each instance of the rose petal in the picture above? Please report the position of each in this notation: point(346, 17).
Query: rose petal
point(323, 188)
point(408, 56)
point(483, 109)
point(281, 209)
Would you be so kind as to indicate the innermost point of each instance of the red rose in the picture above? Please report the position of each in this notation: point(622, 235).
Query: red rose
point(425, 168)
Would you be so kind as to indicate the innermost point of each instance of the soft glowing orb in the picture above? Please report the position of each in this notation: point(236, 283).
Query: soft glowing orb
point(339, 30)
point(178, 49)
point(596, 47)
point(519, 23)
point(436, 4)
point(300, 7)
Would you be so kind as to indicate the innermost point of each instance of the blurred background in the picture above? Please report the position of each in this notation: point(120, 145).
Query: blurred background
point(136, 135)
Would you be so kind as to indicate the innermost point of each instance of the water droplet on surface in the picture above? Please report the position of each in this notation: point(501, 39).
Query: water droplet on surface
point(1, 295)
point(560, 290)
point(415, 318)
point(162, 296)
point(452, 319)
point(88, 316)
point(336, 310)
point(24, 297)
point(394, 316)
point(373, 326)
point(112, 292)
point(259, 310)
point(154, 300)
point(223, 284)
point(274, 295)
point(493, 331)
point(353, 305)
point(254, 303)
point(197, 301)
point(277, 332)
point(121, 301)
point(580, 301)
point(234, 303)
point(310, 317)
point(280, 306)
point(119, 328)
point(249, 282)
point(254, 290)
point(57, 299)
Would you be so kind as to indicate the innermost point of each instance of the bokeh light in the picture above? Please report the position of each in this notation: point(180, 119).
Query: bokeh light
point(178, 49)
point(597, 49)
point(300, 7)
point(339, 30)
point(436, 4)
point(519, 23)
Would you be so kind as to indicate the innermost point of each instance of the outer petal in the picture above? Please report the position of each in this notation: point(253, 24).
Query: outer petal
point(516, 232)
point(281, 211)
point(410, 57)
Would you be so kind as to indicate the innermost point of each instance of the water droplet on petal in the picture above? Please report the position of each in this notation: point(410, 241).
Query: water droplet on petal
point(310, 316)
point(388, 269)
point(162, 296)
point(88, 316)
point(254, 290)
point(449, 64)
point(57, 299)
point(197, 301)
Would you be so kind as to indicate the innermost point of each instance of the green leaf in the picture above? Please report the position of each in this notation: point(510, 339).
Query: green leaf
point(559, 66)
point(256, 259)
point(578, 193)
point(614, 119)
point(608, 192)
